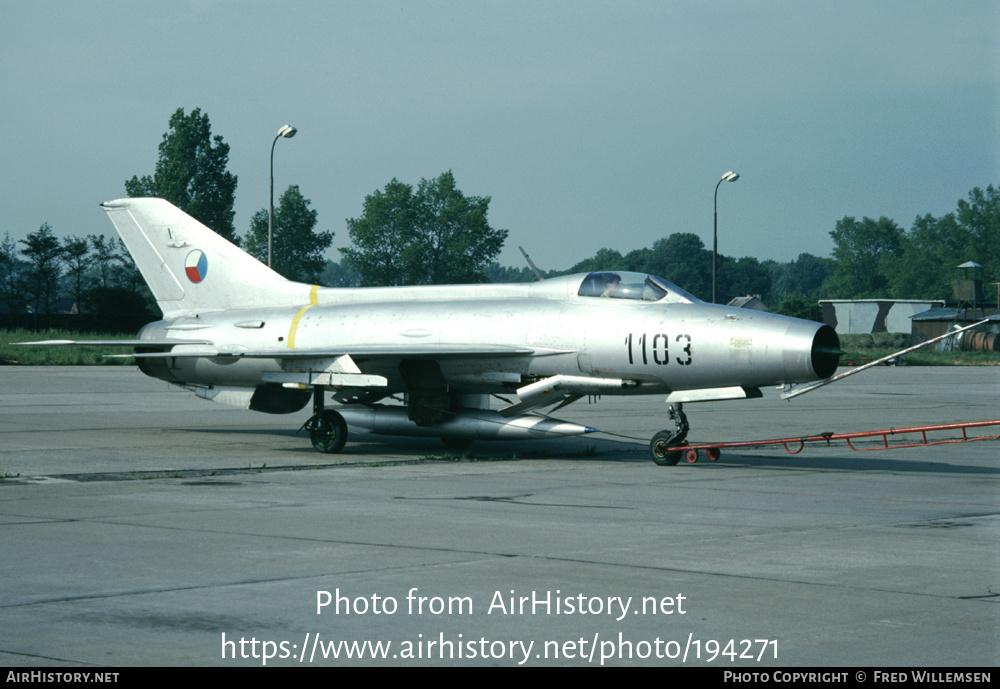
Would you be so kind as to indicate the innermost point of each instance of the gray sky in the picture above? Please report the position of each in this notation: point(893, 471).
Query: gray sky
point(589, 124)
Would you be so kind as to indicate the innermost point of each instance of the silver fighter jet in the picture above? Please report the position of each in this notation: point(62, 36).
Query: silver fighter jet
point(234, 331)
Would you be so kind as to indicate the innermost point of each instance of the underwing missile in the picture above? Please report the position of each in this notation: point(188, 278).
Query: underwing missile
point(470, 424)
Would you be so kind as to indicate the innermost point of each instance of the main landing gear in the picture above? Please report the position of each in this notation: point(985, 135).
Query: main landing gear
point(667, 447)
point(327, 429)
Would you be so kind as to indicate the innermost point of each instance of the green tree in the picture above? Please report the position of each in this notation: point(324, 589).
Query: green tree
point(980, 217)
point(191, 173)
point(126, 273)
point(861, 252)
point(454, 238)
point(800, 306)
point(76, 256)
point(12, 272)
point(741, 277)
point(604, 259)
point(931, 251)
point(117, 309)
point(436, 235)
point(43, 255)
point(682, 258)
point(639, 260)
point(499, 274)
point(934, 248)
point(339, 275)
point(384, 237)
point(103, 259)
point(805, 275)
point(298, 249)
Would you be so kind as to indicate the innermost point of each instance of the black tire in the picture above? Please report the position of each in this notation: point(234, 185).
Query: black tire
point(331, 433)
point(662, 452)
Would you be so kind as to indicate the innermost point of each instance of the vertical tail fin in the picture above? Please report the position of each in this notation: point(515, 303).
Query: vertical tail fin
point(189, 267)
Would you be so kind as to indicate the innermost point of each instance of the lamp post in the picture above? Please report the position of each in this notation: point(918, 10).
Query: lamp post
point(287, 132)
point(728, 177)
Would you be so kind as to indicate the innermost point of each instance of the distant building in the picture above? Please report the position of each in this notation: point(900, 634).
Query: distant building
point(868, 316)
point(934, 322)
point(752, 302)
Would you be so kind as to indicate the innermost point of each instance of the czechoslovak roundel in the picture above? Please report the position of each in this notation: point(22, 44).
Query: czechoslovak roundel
point(196, 266)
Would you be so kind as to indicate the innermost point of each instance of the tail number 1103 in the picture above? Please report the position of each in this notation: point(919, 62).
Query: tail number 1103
point(655, 348)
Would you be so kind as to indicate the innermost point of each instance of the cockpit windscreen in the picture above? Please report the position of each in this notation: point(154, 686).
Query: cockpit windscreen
point(635, 286)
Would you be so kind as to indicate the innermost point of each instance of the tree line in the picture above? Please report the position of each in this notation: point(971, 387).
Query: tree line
point(91, 275)
point(871, 259)
point(875, 258)
point(434, 234)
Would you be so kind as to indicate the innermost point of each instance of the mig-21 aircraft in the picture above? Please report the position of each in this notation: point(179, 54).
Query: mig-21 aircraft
point(234, 331)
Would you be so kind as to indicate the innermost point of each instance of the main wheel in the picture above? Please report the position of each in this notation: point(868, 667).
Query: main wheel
point(329, 432)
point(662, 452)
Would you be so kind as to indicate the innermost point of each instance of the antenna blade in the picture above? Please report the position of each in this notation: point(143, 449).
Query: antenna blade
point(538, 273)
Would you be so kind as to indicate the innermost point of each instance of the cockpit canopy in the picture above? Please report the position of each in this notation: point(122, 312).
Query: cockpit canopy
point(635, 286)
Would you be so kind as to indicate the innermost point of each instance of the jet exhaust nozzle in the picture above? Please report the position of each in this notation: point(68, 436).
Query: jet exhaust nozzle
point(826, 352)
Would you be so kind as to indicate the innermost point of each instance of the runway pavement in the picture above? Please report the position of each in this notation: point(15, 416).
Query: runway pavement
point(142, 526)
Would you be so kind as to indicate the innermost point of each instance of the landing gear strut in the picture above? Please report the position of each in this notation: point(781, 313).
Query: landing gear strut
point(327, 429)
point(667, 447)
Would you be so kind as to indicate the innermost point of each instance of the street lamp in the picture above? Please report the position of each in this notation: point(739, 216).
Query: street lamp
point(287, 132)
point(728, 177)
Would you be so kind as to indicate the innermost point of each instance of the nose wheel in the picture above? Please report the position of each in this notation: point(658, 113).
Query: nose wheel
point(667, 447)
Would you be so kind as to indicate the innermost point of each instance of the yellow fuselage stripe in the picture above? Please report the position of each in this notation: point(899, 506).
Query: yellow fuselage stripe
point(295, 321)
